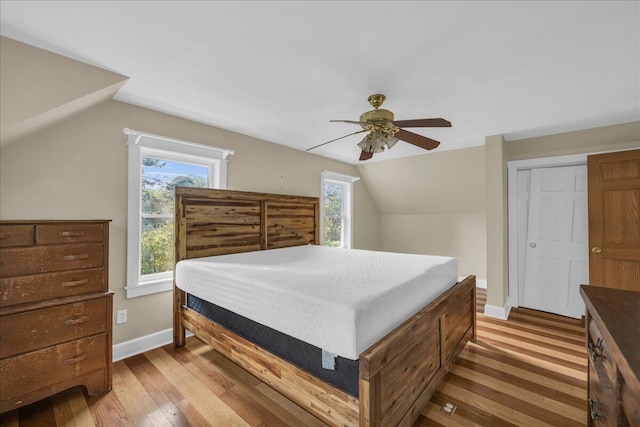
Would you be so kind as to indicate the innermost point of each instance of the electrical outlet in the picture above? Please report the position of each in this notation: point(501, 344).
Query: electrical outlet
point(121, 316)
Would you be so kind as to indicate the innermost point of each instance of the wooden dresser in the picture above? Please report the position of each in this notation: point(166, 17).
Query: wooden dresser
point(613, 347)
point(55, 309)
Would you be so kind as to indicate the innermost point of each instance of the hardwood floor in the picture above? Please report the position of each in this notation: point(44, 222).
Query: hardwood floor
point(527, 371)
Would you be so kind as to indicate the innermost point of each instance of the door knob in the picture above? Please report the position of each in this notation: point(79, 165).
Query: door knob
point(532, 245)
point(596, 250)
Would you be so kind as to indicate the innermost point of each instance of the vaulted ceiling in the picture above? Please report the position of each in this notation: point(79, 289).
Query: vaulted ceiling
point(281, 70)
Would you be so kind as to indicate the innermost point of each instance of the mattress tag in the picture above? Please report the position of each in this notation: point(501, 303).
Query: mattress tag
point(329, 360)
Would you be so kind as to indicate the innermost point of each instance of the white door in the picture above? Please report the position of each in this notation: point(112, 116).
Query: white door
point(557, 257)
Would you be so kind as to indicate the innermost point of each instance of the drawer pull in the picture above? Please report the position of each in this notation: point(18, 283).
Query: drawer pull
point(71, 233)
point(81, 319)
point(76, 359)
point(596, 350)
point(75, 257)
point(594, 405)
point(74, 283)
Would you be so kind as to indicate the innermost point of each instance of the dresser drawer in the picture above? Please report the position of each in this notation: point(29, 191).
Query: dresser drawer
point(16, 235)
point(47, 234)
point(42, 259)
point(33, 330)
point(601, 410)
point(599, 351)
point(40, 287)
point(52, 365)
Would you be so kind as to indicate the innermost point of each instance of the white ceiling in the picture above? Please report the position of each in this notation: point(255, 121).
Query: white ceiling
point(280, 71)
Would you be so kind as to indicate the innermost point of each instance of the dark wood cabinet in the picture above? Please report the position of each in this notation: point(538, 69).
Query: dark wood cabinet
point(613, 346)
point(55, 309)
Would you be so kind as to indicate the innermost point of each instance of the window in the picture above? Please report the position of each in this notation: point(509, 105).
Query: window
point(156, 166)
point(337, 209)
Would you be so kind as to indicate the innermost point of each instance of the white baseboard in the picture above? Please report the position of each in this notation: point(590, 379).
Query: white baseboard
point(140, 345)
point(480, 283)
point(497, 311)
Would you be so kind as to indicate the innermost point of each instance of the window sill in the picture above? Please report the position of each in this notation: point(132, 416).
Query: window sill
point(143, 289)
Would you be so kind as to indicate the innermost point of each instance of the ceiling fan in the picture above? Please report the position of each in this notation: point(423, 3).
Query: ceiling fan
point(385, 131)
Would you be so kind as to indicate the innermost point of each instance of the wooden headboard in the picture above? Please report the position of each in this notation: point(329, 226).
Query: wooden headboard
point(216, 222)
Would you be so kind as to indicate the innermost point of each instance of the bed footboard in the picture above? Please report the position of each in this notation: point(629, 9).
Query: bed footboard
point(400, 373)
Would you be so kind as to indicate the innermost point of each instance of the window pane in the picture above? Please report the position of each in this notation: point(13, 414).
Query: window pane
point(156, 254)
point(333, 196)
point(333, 232)
point(159, 178)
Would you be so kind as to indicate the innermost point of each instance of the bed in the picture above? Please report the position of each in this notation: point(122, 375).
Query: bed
point(395, 375)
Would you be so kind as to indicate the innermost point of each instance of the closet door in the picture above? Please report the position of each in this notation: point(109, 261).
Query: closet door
point(614, 220)
point(557, 240)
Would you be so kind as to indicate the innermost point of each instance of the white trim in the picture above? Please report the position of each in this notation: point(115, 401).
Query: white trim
point(144, 139)
point(347, 181)
point(141, 344)
point(497, 311)
point(142, 289)
point(339, 177)
point(570, 160)
point(513, 166)
point(146, 144)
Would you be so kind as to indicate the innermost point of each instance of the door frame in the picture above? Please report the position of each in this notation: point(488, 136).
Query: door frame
point(513, 166)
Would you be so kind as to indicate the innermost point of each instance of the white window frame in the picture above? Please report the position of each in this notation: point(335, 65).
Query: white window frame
point(346, 181)
point(149, 145)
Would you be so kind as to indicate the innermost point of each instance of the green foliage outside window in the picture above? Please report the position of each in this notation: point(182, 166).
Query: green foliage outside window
point(157, 249)
point(156, 240)
point(333, 211)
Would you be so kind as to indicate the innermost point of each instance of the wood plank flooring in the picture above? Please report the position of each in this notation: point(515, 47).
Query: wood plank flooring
point(527, 371)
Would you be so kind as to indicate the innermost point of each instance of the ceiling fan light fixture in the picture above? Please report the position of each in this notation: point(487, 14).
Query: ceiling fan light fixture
point(374, 142)
point(380, 139)
point(391, 141)
point(366, 144)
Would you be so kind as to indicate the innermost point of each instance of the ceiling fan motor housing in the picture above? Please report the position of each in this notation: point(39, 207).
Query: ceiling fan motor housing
point(380, 120)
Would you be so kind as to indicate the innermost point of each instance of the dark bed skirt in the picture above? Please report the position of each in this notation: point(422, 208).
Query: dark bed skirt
point(299, 353)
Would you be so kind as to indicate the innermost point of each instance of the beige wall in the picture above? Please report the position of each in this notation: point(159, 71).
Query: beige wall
point(78, 169)
point(607, 138)
point(497, 242)
point(39, 87)
point(461, 236)
point(433, 204)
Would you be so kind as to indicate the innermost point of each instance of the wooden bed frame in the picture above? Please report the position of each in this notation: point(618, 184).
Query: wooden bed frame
point(398, 375)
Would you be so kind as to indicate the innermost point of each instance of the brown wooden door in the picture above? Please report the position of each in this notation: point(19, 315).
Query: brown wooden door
point(614, 219)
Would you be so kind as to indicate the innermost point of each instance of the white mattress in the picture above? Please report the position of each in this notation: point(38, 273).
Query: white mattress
point(341, 300)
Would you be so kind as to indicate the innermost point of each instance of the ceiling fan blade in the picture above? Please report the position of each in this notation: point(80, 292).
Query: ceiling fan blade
point(325, 143)
point(355, 122)
point(365, 155)
point(417, 140)
point(423, 123)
